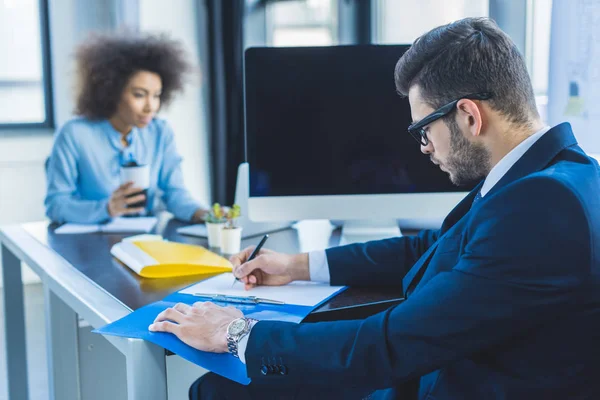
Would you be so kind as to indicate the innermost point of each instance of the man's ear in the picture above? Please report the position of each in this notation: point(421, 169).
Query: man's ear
point(469, 117)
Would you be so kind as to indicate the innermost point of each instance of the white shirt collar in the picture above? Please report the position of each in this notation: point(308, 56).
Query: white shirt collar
point(502, 167)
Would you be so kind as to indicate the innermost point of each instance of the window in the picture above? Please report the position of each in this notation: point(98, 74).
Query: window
point(537, 55)
point(402, 21)
point(302, 23)
point(24, 84)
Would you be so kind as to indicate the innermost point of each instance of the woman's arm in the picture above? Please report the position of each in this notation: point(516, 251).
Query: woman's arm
point(61, 202)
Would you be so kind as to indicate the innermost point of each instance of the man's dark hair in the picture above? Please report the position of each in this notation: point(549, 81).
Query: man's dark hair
point(472, 55)
point(106, 62)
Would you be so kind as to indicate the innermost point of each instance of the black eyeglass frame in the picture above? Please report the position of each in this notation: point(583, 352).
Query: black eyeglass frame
point(417, 130)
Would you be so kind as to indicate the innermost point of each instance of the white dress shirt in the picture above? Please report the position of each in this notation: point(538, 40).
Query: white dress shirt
point(317, 260)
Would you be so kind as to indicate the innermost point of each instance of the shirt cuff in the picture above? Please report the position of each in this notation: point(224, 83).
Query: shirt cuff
point(319, 272)
point(318, 266)
point(103, 214)
point(243, 343)
point(185, 213)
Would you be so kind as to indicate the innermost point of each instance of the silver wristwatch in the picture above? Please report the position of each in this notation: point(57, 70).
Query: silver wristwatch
point(237, 329)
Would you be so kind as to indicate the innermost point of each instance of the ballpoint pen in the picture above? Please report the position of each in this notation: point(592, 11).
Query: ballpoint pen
point(238, 299)
point(254, 253)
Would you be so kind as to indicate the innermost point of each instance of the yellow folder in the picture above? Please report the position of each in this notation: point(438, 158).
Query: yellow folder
point(164, 259)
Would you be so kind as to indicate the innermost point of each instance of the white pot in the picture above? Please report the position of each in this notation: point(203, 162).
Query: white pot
point(214, 233)
point(231, 240)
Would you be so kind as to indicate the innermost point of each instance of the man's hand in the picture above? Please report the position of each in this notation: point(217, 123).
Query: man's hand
point(202, 326)
point(117, 205)
point(269, 268)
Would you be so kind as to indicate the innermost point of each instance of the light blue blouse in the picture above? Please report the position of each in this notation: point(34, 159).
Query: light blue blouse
point(84, 167)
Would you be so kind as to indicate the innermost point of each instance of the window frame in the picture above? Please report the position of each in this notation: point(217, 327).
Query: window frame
point(355, 25)
point(46, 77)
point(271, 25)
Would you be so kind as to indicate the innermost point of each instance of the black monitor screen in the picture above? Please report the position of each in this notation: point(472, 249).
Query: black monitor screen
point(328, 121)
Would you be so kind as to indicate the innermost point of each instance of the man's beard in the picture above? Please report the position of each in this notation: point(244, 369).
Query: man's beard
point(466, 162)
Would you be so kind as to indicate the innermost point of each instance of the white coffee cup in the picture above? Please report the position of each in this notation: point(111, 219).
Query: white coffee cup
point(140, 176)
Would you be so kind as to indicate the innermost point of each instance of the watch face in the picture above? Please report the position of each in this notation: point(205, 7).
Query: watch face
point(237, 327)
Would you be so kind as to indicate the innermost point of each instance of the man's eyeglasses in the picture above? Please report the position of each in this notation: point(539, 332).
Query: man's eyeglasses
point(417, 130)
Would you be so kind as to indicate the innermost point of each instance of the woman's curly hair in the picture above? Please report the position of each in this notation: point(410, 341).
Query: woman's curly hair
point(106, 62)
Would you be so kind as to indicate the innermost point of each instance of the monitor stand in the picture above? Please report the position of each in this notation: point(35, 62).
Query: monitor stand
point(249, 228)
point(359, 231)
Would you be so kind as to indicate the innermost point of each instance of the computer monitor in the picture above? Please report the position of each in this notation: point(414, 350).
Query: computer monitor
point(326, 138)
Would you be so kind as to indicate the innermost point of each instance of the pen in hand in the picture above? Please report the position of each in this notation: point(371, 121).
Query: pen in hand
point(253, 255)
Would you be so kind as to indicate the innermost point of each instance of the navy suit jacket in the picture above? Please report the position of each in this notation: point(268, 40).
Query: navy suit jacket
point(503, 301)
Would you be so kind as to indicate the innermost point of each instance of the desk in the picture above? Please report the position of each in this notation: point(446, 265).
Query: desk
point(81, 279)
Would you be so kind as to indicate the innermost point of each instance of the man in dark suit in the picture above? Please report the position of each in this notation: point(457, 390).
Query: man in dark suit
point(503, 302)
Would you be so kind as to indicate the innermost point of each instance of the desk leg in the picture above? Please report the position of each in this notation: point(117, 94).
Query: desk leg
point(146, 371)
point(62, 348)
point(14, 326)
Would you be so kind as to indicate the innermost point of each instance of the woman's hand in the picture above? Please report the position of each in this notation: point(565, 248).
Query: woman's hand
point(118, 202)
point(199, 215)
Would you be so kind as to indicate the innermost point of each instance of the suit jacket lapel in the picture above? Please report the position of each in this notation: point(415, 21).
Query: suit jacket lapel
point(461, 209)
point(416, 272)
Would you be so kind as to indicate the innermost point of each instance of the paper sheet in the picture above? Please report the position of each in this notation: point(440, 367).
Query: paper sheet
point(138, 224)
point(299, 293)
point(193, 230)
point(77, 228)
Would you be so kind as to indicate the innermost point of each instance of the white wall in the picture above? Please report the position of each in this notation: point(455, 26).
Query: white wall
point(64, 37)
point(22, 179)
point(188, 114)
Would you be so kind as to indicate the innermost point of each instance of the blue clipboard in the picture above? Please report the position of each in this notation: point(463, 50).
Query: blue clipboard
point(135, 325)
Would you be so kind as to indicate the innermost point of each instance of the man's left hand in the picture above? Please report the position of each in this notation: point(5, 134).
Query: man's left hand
point(202, 326)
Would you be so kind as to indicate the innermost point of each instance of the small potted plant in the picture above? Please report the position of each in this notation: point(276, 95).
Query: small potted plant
point(231, 234)
point(214, 225)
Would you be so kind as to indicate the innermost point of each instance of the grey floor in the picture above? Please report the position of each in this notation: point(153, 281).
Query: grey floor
point(36, 344)
point(94, 350)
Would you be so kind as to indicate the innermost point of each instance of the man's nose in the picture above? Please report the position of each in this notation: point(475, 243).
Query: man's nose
point(428, 149)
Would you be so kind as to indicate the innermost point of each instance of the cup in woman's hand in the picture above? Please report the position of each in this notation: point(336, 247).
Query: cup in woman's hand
point(140, 176)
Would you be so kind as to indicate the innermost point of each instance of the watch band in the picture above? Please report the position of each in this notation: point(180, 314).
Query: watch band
point(233, 340)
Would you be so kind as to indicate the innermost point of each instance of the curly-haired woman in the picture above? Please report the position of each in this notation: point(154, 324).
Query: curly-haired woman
point(123, 82)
